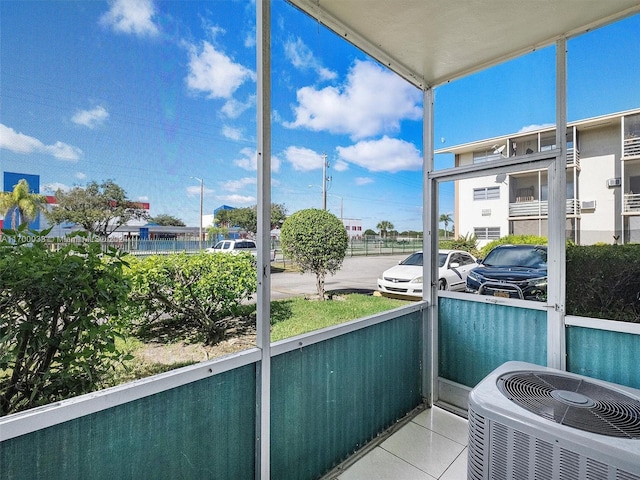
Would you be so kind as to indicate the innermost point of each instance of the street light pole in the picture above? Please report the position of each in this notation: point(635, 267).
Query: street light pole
point(201, 201)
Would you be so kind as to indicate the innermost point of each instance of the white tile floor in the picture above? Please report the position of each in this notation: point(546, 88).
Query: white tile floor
point(433, 445)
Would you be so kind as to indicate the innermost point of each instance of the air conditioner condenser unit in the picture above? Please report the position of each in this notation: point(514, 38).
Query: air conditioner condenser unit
point(532, 422)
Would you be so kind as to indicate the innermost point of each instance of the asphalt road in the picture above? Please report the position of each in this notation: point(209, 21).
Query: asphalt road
point(357, 274)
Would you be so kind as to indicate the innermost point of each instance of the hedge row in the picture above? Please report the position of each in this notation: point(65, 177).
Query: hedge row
point(603, 281)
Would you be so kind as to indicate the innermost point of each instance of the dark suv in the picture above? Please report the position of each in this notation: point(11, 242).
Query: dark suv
point(511, 271)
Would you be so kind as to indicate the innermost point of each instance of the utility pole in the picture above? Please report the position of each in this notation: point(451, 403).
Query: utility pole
point(324, 181)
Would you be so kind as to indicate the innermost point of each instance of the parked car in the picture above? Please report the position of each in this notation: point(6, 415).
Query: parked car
point(511, 271)
point(236, 246)
point(406, 277)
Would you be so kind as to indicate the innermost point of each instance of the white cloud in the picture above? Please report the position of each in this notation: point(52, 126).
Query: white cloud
point(371, 102)
point(232, 133)
point(194, 190)
point(51, 188)
point(340, 166)
point(237, 199)
point(384, 155)
point(250, 39)
point(80, 175)
point(249, 160)
point(302, 58)
point(91, 118)
point(303, 159)
point(529, 128)
point(213, 73)
point(131, 16)
point(235, 185)
point(24, 144)
point(363, 181)
point(142, 198)
point(234, 108)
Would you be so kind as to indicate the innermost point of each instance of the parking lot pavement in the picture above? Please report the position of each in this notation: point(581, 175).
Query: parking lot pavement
point(356, 274)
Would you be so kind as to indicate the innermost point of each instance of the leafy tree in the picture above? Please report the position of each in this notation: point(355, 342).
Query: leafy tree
point(317, 242)
point(223, 219)
point(247, 218)
point(384, 226)
point(190, 297)
point(411, 234)
point(59, 317)
point(23, 204)
point(98, 208)
point(369, 233)
point(214, 232)
point(167, 220)
point(446, 219)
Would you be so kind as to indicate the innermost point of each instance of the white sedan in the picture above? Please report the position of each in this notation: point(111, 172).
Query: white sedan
point(406, 277)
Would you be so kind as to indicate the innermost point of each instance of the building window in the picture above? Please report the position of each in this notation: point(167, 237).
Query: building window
point(487, 233)
point(486, 156)
point(486, 193)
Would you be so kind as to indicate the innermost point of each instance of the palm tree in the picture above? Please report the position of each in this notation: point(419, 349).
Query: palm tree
point(384, 226)
point(445, 218)
point(23, 204)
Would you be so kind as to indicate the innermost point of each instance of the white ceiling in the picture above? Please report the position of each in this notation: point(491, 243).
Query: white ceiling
point(430, 42)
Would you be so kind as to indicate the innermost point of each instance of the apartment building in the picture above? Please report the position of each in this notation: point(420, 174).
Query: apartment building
point(602, 183)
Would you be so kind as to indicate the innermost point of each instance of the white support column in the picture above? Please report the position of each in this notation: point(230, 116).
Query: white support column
point(263, 306)
point(430, 250)
point(556, 344)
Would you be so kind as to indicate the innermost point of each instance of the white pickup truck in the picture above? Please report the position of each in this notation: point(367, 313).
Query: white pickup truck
point(236, 246)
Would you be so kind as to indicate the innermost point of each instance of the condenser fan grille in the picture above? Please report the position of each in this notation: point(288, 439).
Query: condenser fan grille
point(574, 402)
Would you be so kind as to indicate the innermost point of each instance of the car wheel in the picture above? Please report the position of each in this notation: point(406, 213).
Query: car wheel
point(442, 284)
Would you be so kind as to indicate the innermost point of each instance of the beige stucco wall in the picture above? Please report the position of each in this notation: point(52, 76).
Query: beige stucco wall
point(599, 161)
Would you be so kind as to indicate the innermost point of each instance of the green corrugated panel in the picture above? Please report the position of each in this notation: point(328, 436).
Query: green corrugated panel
point(475, 338)
point(202, 430)
point(330, 398)
point(609, 356)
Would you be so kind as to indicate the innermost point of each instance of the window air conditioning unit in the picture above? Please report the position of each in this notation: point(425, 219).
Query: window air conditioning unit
point(588, 205)
point(532, 422)
point(614, 182)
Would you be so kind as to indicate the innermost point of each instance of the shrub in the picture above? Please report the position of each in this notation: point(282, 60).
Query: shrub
point(603, 281)
point(467, 243)
point(317, 242)
point(513, 240)
point(190, 297)
point(59, 318)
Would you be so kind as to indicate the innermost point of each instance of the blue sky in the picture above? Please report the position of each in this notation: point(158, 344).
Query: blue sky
point(151, 94)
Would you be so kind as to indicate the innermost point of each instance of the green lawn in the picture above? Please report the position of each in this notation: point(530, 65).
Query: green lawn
point(294, 316)
point(289, 317)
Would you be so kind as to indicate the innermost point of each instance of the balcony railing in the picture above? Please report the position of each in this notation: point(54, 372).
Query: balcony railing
point(573, 157)
point(331, 392)
point(632, 203)
point(631, 147)
point(540, 208)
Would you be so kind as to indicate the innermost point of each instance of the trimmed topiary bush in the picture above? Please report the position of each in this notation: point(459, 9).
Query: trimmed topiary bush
point(317, 242)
